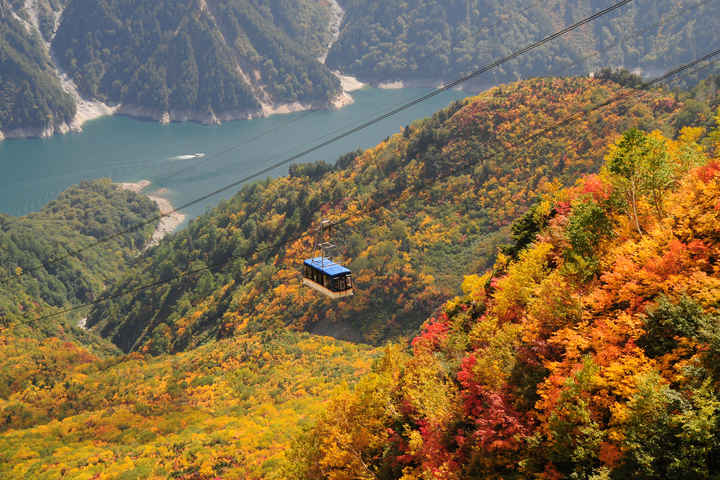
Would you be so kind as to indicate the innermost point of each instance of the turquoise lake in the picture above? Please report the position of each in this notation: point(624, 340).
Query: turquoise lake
point(35, 171)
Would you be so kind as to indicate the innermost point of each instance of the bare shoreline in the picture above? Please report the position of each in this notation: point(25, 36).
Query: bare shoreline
point(349, 84)
point(170, 220)
point(473, 88)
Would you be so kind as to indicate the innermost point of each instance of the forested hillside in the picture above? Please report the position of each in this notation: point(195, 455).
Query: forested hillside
point(30, 93)
point(194, 59)
point(379, 37)
point(406, 258)
point(589, 351)
point(229, 59)
point(79, 216)
point(227, 410)
point(193, 55)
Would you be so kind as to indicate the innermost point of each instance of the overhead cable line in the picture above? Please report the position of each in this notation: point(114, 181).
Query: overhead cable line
point(425, 97)
point(552, 73)
point(401, 196)
point(376, 82)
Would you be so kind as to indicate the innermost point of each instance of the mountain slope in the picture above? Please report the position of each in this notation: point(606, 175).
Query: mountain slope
point(219, 57)
point(176, 61)
point(407, 258)
point(31, 97)
point(227, 410)
point(380, 37)
point(217, 60)
point(591, 352)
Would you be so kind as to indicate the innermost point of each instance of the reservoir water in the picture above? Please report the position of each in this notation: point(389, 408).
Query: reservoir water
point(35, 171)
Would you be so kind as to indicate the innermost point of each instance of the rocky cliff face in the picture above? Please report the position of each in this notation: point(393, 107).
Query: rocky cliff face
point(52, 128)
point(189, 115)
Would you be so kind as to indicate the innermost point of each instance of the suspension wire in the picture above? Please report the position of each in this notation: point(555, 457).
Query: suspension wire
point(287, 152)
point(425, 97)
point(401, 196)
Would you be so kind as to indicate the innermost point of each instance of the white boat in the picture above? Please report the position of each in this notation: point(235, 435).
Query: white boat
point(199, 154)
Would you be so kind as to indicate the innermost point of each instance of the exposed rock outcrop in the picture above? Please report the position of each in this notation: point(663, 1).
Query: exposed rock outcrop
point(335, 22)
point(163, 116)
point(41, 132)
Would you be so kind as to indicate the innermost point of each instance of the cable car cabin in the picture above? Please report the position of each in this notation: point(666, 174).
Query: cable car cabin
point(327, 277)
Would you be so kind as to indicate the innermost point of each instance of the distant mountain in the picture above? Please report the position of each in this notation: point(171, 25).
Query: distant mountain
point(379, 37)
point(217, 60)
point(175, 60)
point(190, 55)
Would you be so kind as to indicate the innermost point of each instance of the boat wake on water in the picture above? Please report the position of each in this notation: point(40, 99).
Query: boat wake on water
point(187, 157)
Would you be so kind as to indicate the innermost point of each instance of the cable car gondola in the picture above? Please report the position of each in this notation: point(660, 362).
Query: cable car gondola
point(325, 273)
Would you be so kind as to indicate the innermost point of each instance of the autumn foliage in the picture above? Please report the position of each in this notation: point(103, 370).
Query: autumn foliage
point(590, 349)
point(225, 410)
point(408, 257)
point(592, 352)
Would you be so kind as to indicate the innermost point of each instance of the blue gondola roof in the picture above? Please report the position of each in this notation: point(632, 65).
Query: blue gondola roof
point(327, 266)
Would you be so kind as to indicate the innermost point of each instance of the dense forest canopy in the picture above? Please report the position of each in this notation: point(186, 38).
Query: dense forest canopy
point(76, 219)
point(591, 351)
point(188, 54)
point(226, 410)
point(379, 37)
point(30, 92)
point(601, 312)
